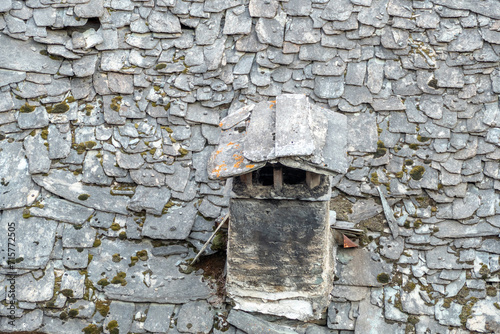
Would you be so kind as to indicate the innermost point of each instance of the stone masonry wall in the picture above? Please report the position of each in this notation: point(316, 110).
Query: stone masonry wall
point(109, 110)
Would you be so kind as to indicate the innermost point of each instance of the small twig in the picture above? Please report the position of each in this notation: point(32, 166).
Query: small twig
point(210, 239)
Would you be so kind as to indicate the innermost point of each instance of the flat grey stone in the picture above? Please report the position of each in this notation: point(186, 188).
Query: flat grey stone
point(393, 103)
point(75, 281)
point(208, 30)
point(337, 10)
point(37, 154)
point(355, 74)
point(58, 326)
point(73, 259)
point(376, 15)
point(250, 43)
point(129, 161)
point(414, 303)
point(152, 279)
point(298, 7)
point(357, 95)
point(28, 322)
point(490, 246)
point(174, 225)
point(122, 313)
point(179, 179)
point(61, 210)
point(300, 31)
point(34, 290)
point(8, 77)
point(158, 318)
point(451, 229)
point(271, 31)
point(141, 41)
point(164, 22)
point(468, 40)
point(6, 102)
point(66, 185)
point(464, 208)
point(400, 8)
point(371, 320)
point(93, 8)
point(152, 200)
point(147, 176)
point(93, 172)
point(254, 325)
point(356, 267)
point(238, 21)
point(338, 316)
point(259, 145)
point(329, 87)
point(85, 66)
point(449, 77)
point(485, 317)
point(393, 38)
point(317, 52)
point(263, 8)
point(213, 54)
point(362, 133)
point(171, 250)
point(375, 76)
point(197, 113)
point(35, 241)
point(25, 56)
point(488, 8)
point(59, 143)
point(293, 132)
point(6, 6)
point(338, 41)
point(195, 317)
point(391, 248)
point(16, 188)
point(78, 236)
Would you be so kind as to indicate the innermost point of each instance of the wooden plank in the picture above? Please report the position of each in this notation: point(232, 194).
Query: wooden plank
point(278, 179)
point(246, 179)
point(312, 179)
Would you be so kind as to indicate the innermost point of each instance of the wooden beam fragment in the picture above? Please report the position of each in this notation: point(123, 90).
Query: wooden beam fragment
point(312, 180)
point(246, 179)
point(278, 178)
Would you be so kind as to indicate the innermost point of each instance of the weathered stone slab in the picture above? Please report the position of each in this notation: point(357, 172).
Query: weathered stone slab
point(453, 229)
point(33, 290)
point(362, 133)
point(335, 149)
point(337, 10)
point(258, 144)
point(67, 185)
point(329, 87)
point(151, 279)
point(16, 187)
point(195, 317)
point(158, 319)
point(293, 130)
point(371, 320)
point(28, 322)
point(487, 8)
point(253, 325)
point(356, 267)
point(37, 154)
point(150, 199)
point(35, 238)
point(61, 210)
point(26, 56)
point(174, 225)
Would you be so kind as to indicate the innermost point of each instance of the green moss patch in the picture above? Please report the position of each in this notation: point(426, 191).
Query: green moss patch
point(417, 172)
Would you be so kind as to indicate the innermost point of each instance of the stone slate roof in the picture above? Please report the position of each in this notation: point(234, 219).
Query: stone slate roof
point(290, 130)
